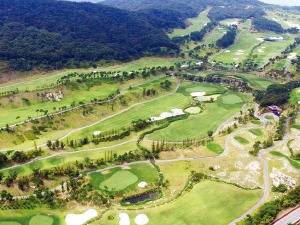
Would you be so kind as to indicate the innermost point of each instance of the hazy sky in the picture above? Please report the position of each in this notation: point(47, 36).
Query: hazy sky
point(283, 2)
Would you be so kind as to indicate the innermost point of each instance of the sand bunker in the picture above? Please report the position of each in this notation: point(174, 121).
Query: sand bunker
point(260, 50)
point(227, 51)
point(240, 52)
point(165, 115)
point(141, 219)
point(193, 110)
point(198, 94)
point(260, 39)
point(207, 98)
point(96, 133)
point(292, 55)
point(79, 219)
point(124, 219)
point(142, 184)
point(280, 178)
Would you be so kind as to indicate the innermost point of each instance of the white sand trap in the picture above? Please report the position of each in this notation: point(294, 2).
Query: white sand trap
point(240, 52)
point(142, 184)
point(141, 219)
point(207, 98)
point(260, 50)
point(227, 51)
point(79, 219)
point(193, 110)
point(124, 219)
point(96, 133)
point(164, 115)
point(260, 39)
point(198, 94)
point(292, 55)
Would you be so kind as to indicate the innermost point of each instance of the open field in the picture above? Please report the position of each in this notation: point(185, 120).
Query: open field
point(194, 24)
point(257, 82)
point(204, 204)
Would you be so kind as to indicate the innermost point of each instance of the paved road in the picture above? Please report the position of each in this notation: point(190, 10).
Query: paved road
point(290, 218)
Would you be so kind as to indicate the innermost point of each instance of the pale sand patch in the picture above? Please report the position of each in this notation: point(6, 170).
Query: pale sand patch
point(141, 219)
point(207, 98)
point(260, 39)
point(292, 55)
point(142, 184)
point(227, 51)
point(253, 166)
point(124, 167)
point(124, 219)
point(164, 115)
point(193, 110)
point(96, 133)
point(198, 94)
point(260, 50)
point(79, 219)
point(106, 172)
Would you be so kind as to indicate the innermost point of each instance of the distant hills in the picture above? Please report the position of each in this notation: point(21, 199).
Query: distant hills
point(54, 34)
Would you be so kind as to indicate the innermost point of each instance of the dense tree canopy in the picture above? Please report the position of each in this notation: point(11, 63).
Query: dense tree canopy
point(228, 38)
point(263, 24)
point(55, 33)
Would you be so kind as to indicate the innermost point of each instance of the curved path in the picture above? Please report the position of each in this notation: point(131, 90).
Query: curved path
point(266, 178)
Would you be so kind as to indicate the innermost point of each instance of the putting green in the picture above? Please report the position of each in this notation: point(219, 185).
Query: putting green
point(9, 223)
point(41, 219)
point(241, 140)
point(231, 99)
point(119, 181)
point(214, 147)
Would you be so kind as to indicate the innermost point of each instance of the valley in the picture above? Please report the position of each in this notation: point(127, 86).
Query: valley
point(206, 135)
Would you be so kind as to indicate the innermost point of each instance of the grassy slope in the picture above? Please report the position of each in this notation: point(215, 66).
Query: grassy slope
point(46, 79)
point(203, 205)
point(194, 24)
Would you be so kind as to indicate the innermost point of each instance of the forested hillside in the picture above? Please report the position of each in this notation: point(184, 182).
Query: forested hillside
point(53, 34)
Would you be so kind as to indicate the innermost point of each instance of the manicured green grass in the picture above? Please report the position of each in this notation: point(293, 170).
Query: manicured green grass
point(214, 147)
point(124, 179)
point(41, 219)
point(268, 50)
point(38, 216)
point(297, 126)
point(205, 204)
point(294, 163)
point(9, 223)
point(232, 99)
point(69, 158)
point(194, 24)
point(197, 126)
point(256, 82)
point(241, 140)
point(119, 181)
point(241, 49)
point(256, 132)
